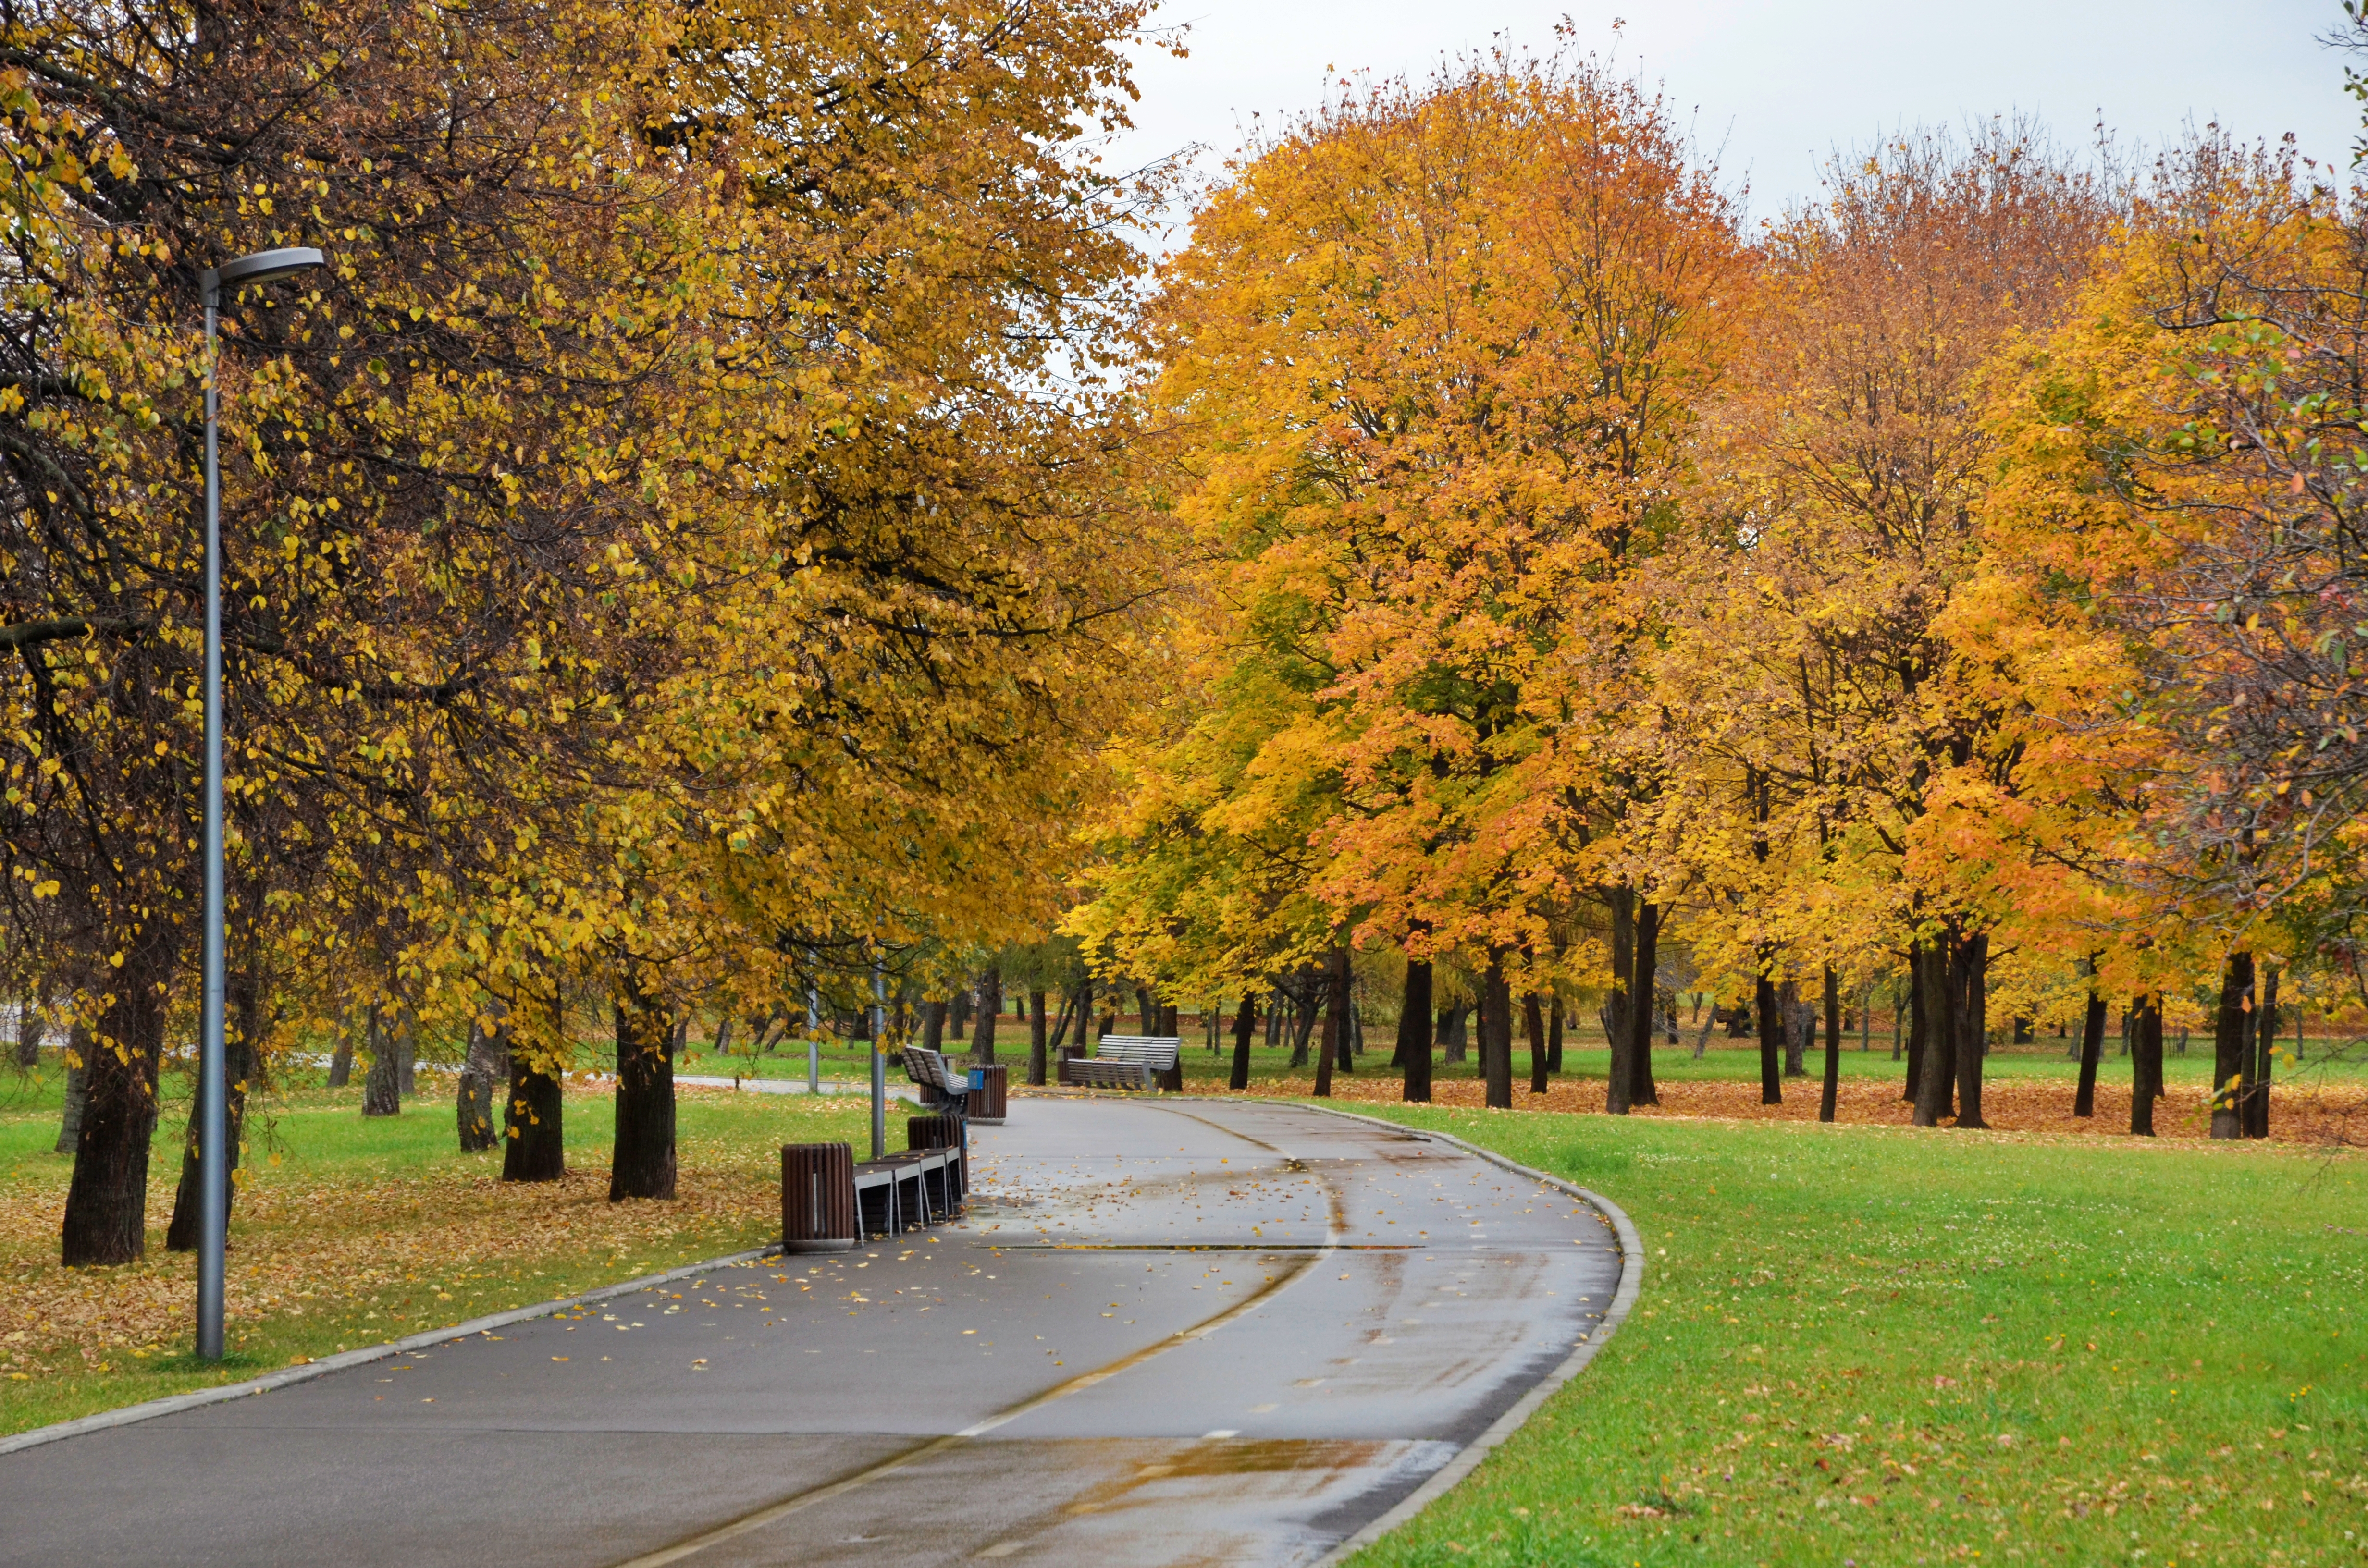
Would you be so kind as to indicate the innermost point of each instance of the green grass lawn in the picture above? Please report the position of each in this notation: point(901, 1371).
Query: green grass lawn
point(1863, 1345)
point(351, 1232)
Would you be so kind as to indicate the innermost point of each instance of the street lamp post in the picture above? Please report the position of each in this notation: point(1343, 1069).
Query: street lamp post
point(213, 1097)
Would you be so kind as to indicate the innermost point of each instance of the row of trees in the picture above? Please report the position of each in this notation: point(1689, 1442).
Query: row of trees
point(1955, 576)
point(678, 540)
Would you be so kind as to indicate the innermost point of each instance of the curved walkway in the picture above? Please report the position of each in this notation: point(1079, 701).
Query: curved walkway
point(1170, 1332)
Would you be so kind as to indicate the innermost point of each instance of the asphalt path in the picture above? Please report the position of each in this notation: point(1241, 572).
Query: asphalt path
point(1167, 1333)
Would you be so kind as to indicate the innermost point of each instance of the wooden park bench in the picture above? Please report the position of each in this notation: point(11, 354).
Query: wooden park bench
point(1127, 1061)
point(940, 1081)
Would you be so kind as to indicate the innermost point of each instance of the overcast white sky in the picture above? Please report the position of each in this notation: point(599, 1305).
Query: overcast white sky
point(1772, 86)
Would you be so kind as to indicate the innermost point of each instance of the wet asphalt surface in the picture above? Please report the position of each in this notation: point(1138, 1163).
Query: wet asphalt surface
point(1187, 1332)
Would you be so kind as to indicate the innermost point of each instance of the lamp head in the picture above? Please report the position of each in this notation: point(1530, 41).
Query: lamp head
point(263, 266)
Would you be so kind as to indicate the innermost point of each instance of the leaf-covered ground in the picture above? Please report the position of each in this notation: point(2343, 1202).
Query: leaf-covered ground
point(1862, 1345)
point(352, 1233)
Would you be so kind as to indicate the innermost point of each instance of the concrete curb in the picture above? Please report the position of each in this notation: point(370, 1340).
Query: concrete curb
point(174, 1404)
point(1467, 1460)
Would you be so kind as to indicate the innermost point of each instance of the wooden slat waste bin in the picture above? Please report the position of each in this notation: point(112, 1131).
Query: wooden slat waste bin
point(991, 1087)
point(817, 1197)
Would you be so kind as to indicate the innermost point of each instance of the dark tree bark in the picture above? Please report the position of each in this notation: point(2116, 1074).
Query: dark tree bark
point(1554, 1033)
point(1533, 1020)
point(1452, 1035)
point(1917, 1032)
point(77, 1090)
point(2092, 1052)
point(1302, 1020)
point(1619, 1031)
point(484, 1073)
point(1935, 1090)
point(1039, 1038)
point(2145, 1065)
point(2262, 1055)
point(1085, 1016)
point(242, 1069)
point(1274, 1010)
point(536, 1148)
point(382, 1089)
point(1971, 970)
point(1768, 1016)
point(1829, 1096)
point(641, 1163)
point(1167, 1029)
point(990, 1006)
point(2228, 1043)
point(960, 1022)
point(406, 1053)
point(1796, 1016)
point(1644, 964)
point(1497, 1033)
point(30, 1025)
point(341, 1057)
point(106, 1202)
point(933, 1025)
point(1413, 1032)
point(1147, 1012)
point(1245, 1030)
point(1336, 1019)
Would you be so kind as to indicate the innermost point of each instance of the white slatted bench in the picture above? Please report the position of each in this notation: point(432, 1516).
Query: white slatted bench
point(1127, 1061)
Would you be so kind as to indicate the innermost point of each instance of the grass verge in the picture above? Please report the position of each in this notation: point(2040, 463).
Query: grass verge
point(1861, 1345)
point(352, 1233)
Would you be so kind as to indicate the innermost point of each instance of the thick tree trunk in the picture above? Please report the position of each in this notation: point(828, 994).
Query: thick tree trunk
point(1829, 1095)
point(382, 1088)
point(2262, 1055)
point(1453, 1037)
point(2092, 1050)
point(1619, 1009)
point(1533, 1020)
point(1554, 1033)
point(1769, 1018)
point(959, 1023)
point(1918, 1031)
point(1147, 1012)
point(933, 1025)
point(2145, 1065)
point(1497, 1033)
point(1336, 1019)
point(341, 1056)
point(1303, 1021)
point(1971, 967)
point(1644, 966)
point(484, 1075)
point(242, 1069)
point(1935, 1088)
point(30, 1025)
point(1245, 1030)
point(77, 1090)
point(106, 1202)
point(641, 1163)
point(1795, 1017)
point(537, 1149)
point(406, 1053)
point(2229, 1043)
point(1274, 1010)
point(1413, 1032)
point(1039, 1039)
point(990, 1006)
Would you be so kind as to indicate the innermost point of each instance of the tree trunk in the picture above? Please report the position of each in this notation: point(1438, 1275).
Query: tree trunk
point(1451, 1036)
point(933, 1025)
point(406, 1053)
point(1619, 1036)
point(77, 1089)
point(30, 1025)
point(960, 1021)
point(1039, 1036)
point(641, 1163)
point(106, 1202)
point(1829, 1096)
point(2145, 1065)
point(1554, 1031)
point(990, 1006)
point(1936, 1086)
point(1971, 969)
point(1917, 1032)
point(1497, 1033)
point(1302, 1020)
point(382, 1089)
point(1336, 1019)
point(1644, 966)
point(2092, 1050)
point(2229, 1043)
point(1533, 1019)
point(2262, 1056)
point(1147, 1017)
point(341, 1058)
point(1245, 1030)
point(1771, 1042)
point(1413, 1032)
point(1274, 1008)
point(242, 1069)
point(537, 1150)
point(483, 1074)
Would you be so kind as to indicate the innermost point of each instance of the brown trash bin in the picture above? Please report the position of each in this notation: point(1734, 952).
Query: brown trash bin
point(987, 1101)
point(817, 1197)
point(941, 1132)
